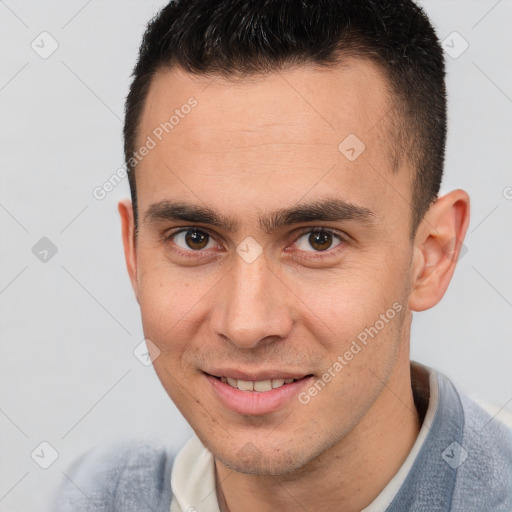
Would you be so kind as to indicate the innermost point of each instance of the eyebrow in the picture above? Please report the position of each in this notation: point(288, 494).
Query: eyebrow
point(331, 210)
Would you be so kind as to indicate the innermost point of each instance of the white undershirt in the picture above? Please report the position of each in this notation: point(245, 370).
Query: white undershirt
point(193, 473)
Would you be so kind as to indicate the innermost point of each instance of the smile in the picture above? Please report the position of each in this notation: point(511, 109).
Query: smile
point(259, 396)
point(258, 385)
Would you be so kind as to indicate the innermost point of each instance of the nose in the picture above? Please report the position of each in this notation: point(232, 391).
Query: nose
point(254, 305)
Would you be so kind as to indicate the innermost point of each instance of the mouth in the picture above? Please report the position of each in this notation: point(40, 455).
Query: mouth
point(259, 386)
point(263, 394)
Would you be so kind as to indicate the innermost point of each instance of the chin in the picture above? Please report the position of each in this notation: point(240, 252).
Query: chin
point(251, 460)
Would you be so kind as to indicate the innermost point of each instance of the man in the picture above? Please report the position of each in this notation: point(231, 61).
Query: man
point(285, 160)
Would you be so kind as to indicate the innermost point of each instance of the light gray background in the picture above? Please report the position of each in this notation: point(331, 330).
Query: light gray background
point(68, 326)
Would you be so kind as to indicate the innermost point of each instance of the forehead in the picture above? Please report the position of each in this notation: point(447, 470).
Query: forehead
point(286, 134)
point(351, 96)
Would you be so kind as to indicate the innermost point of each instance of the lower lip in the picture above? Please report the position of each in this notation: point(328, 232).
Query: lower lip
point(256, 402)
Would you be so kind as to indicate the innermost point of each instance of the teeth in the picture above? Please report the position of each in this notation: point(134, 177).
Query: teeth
point(263, 385)
point(277, 383)
point(260, 385)
point(246, 385)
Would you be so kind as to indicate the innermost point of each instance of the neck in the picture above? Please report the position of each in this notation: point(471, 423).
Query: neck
point(348, 476)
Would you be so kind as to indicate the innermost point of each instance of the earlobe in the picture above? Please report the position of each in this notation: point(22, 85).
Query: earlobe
point(129, 243)
point(437, 247)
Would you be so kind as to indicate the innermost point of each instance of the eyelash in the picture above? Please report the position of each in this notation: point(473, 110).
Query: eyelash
point(319, 255)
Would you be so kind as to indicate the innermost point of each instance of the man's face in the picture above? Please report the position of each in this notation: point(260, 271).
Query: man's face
point(264, 296)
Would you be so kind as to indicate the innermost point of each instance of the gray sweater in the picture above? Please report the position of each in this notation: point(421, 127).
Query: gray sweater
point(464, 465)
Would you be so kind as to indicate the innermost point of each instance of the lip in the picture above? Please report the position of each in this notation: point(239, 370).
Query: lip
point(254, 375)
point(256, 403)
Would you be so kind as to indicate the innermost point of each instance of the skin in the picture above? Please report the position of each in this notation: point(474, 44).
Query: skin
point(247, 149)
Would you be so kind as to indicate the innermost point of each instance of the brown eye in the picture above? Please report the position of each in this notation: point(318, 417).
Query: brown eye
point(196, 239)
point(192, 239)
point(319, 240)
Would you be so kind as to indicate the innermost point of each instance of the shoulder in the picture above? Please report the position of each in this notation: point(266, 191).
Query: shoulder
point(128, 475)
point(484, 478)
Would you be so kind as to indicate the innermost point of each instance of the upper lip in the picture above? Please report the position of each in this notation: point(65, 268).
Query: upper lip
point(255, 375)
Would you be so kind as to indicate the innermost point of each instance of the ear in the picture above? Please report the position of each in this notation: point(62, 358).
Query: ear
point(128, 232)
point(437, 246)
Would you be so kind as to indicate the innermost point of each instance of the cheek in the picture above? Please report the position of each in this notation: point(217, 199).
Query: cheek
point(348, 299)
point(172, 299)
point(356, 314)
